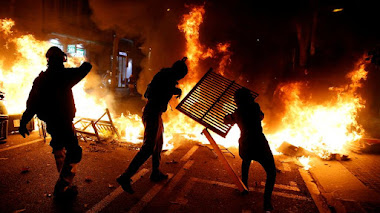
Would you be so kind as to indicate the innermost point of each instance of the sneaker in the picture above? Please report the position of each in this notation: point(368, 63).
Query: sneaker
point(158, 176)
point(125, 183)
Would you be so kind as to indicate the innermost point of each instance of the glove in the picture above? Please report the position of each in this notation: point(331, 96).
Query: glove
point(23, 130)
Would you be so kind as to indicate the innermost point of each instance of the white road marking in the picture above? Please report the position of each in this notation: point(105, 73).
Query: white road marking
point(189, 153)
point(314, 191)
point(229, 185)
point(181, 197)
point(149, 196)
point(178, 176)
point(20, 145)
point(170, 151)
point(109, 198)
point(212, 182)
point(286, 187)
point(152, 192)
point(292, 183)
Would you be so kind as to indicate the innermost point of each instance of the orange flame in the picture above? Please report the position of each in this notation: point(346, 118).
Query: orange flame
point(190, 26)
point(326, 128)
point(28, 61)
point(321, 128)
point(196, 52)
point(305, 162)
point(6, 26)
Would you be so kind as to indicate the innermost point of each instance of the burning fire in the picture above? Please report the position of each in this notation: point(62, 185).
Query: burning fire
point(27, 62)
point(190, 26)
point(320, 128)
point(304, 161)
point(324, 128)
point(196, 52)
point(131, 127)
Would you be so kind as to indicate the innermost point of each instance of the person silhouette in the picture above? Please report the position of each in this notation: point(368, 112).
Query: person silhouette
point(252, 142)
point(159, 92)
point(51, 99)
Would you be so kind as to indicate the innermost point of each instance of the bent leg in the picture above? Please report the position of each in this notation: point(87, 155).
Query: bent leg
point(65, 136)
point(150, 135)
point(139, 159)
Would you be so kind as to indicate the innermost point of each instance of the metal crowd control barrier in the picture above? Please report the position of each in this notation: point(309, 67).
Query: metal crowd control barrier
point(99, 127)
point(208, 103)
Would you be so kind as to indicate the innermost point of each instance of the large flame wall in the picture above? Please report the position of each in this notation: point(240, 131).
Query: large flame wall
point(321, 128)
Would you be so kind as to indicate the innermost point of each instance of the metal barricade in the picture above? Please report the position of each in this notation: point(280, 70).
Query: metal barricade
point(95, 128)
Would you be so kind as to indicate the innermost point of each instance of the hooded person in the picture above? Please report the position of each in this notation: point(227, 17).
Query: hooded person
point(51, 99)
point(159, 92)
point(252, 142)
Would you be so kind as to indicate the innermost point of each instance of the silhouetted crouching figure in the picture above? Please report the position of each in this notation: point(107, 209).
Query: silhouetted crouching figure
point(52, 100)
point(159, 92)
point(252, 143)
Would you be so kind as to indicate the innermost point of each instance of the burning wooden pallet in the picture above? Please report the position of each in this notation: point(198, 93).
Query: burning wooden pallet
point(95, 128)
point(208, 103)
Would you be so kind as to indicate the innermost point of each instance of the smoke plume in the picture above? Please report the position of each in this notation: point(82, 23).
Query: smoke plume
point(150, 23)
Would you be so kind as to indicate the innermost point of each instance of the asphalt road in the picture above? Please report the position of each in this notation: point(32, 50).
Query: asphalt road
point(198, 181)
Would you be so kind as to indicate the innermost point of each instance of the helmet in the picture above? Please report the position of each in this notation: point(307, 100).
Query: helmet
point(56, 54)
point(180, 68)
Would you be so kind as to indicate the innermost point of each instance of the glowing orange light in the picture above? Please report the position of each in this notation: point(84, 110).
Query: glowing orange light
point(321, 128)
point(338, 10)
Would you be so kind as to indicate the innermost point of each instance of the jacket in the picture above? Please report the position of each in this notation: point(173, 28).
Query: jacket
point(51, 97)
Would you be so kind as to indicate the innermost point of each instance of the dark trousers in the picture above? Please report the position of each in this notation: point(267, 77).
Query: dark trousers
point(66, 150)
point(152, 145)
point(267, 162)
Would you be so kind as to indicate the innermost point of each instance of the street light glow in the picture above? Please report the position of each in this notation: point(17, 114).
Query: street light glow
point(337, 10)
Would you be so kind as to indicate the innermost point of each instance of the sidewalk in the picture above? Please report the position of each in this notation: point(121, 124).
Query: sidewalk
point(343, 191)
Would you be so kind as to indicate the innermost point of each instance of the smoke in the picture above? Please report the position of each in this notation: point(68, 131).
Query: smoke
point(150, 23)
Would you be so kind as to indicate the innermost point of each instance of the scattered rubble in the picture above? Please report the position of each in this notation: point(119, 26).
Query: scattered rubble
point(295, 151)
point(291, 150)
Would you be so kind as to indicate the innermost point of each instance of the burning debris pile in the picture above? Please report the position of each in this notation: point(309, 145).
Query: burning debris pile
point(324, 129)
